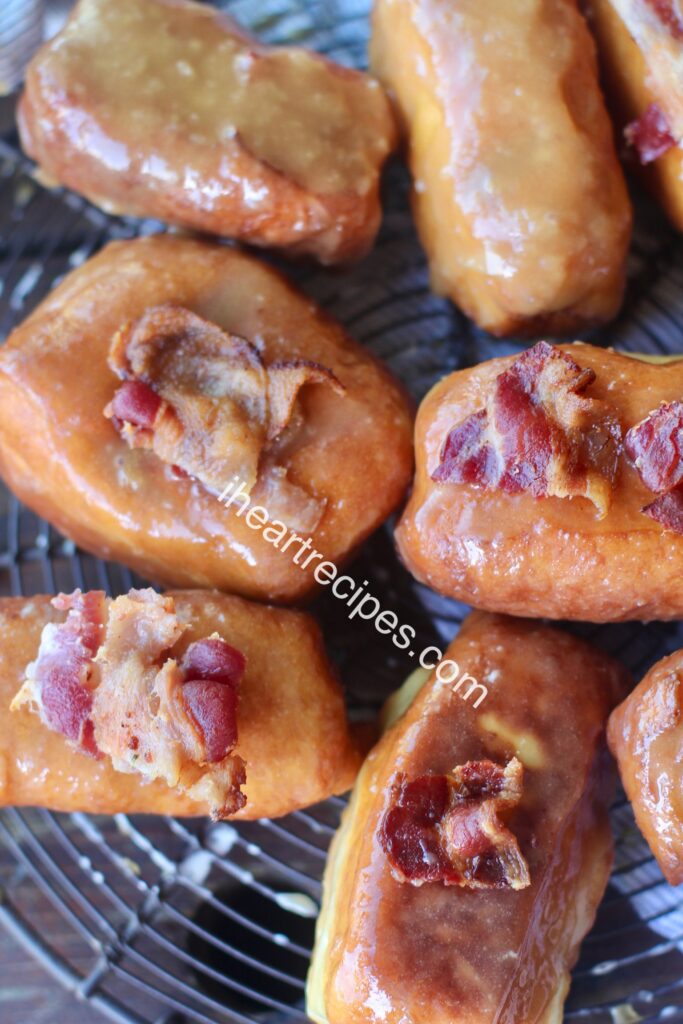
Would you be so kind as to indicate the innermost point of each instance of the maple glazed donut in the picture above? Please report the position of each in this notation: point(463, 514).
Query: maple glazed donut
point(163, 371)
point(551, 484)
point(167, 109)
point(167, 704)
point(646, 737)
point(476, 847)
point(519, 198)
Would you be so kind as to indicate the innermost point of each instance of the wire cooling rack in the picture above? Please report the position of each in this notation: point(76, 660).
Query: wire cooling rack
point(176, 921)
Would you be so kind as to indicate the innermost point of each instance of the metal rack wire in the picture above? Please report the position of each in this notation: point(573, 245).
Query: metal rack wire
point(167, 920)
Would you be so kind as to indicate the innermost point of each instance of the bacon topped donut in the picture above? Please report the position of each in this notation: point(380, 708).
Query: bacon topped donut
point(538, 433)
point(112, 680)
point(656, 26)
point(209, 364)
point(655, 446)
point(203, 400)
point(434, 911)
point(641, 47)
point(154, 710)
point(506, 459)
point(446, 828)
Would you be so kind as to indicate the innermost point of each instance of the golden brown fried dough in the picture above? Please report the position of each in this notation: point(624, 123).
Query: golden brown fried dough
point(436, 953)
point(646, 736)
point(535, 539)
point(292, 729)
point(518, 194)
point(167, 109)
point(334, 473)
point(641, 54)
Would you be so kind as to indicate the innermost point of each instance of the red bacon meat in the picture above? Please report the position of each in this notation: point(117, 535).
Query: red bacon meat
point(655, 446)
point(446, 828)
point(539, 433)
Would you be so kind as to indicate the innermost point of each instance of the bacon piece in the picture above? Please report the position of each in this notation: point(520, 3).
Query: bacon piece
point(59, 684)
point(108, 679)
point(135, 403)
point(152, 718)
point(655, 446)
point(446, 828)
point(285, 380)
point(650, 135)
point(219, 406)
point(213, 670)
point(213, 707)
point(667, 509)
point(538, 433)
point(669, 14)
point(214, 659)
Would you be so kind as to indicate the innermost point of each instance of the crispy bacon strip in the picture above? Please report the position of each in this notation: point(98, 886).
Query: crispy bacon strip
point(650, 135)
point(59, 684)
point(538, 433)
point(202, 399)
point(108, 680)
point(655, 446)
point(446, 828)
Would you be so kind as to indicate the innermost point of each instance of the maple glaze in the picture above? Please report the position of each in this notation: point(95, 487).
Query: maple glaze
point(167, 109)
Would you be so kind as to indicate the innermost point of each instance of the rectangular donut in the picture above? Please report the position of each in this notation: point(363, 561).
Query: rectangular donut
point(475, 950)
point(536, 491)
point(519, 198)
point(292, 732)
point(168, 109)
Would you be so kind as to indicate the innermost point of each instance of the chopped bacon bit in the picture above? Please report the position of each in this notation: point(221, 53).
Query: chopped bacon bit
point(669, 14)
point(219, 407)
point(655, 446)
point(446, 828)
point(538, 433)
point(667, 509)
point(59, 682)
point(213, 705)
point(213, 670)
point(135, 403)
point(650, 135)
point(214, 659)
point(467, 456)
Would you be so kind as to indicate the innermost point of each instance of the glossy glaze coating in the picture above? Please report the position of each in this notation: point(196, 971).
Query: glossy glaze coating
point(165, 108)
point(646, 736)
point(400, 954)
point(62, 456)
point(630, 90)
point(545, 556)
point(292, 725)
point(519, 198)
point(656, 26)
